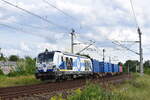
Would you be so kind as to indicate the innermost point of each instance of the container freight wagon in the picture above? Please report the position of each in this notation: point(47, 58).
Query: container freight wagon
point(120, 68)
point(104, 67)
point(109, 67)
point(96, 66)
point(115, 68)
point(99, 67)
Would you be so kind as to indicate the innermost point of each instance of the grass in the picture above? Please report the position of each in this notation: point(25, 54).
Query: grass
point(23, 75)
point(91, 92)
point(6, 81)
point(136, 89)
point(95, 92)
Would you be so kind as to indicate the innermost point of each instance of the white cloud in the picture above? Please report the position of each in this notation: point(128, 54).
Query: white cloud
point(8, 20)
point(99, 18)
point(24, 47)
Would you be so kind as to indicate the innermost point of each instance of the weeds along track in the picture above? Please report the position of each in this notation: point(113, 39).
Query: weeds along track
point(10, 93)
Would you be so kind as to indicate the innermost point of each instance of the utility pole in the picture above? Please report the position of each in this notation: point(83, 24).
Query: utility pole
point(140, 51)
point(72, 41)
point(103, 55)
point(136, 68)
point(128, 69)
point(109, 59)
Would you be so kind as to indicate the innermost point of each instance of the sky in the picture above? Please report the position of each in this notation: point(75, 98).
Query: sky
point(101, 21)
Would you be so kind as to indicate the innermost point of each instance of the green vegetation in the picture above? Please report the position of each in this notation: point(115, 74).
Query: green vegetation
point(13, 58)
point(95, 92)
point(6, 81)
point(24, 67)
point(23, 74)
point(91, 92)
point(1, 72)
point(2, 58)
point(132, 65)
point(136, 89)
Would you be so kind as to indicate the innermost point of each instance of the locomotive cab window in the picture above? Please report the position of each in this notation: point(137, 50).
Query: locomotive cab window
point(45, 57)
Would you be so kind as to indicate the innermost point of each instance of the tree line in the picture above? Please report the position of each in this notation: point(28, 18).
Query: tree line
point(24, 66)
point(134, 66)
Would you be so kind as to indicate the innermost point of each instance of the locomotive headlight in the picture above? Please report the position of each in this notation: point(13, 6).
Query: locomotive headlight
point(39, 68)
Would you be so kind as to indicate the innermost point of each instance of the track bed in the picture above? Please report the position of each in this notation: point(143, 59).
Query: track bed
point(18, 92)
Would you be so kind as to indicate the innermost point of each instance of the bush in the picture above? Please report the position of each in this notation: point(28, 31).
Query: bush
point(24, 67)
point(30, 65)
point(13, 58)
point(1, 72)
point(95, 92)
point(147, 71)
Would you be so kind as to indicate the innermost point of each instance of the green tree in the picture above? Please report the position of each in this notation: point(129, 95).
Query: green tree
point(1, 72)
point(2, 58)
point(147, 64)
point(147, 67)
point(120, 63)
point(132, 65)
point(13, 58)
point(30, 65)
point(24, 67)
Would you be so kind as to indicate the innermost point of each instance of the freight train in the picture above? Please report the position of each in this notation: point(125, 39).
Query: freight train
point(56, 65)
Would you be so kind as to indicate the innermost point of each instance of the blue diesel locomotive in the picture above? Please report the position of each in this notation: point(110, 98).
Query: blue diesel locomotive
point(57, 65)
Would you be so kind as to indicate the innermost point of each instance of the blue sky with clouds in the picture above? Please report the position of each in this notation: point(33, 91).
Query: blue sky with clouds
point(98, 20)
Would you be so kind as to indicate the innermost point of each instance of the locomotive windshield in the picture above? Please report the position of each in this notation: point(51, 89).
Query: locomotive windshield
point(45, 57)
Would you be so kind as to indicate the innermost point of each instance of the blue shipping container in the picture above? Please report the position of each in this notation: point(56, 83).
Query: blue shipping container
point(109, 67)
point(95, 66)
point(104, 66)
point(115, 68)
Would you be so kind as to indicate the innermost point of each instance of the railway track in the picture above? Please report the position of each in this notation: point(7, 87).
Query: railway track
point(9, 93)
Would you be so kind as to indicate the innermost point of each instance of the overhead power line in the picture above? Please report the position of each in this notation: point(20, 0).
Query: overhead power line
point(128, 41)
point(11, 27)
point(23, 31)
point(62, 12)
point(125, 47)
point(120, 45)
point(134, 13)
point(59, 9)
point(33, 14)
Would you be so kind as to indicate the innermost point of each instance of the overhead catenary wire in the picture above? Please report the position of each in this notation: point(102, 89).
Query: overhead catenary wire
point(23, 31)
point(135, 18)
point(125, 47)
point(11, 27)
point(27, 25)
point(59, 9)
point(66, 14)
point(120, 45)
point(36, 15)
